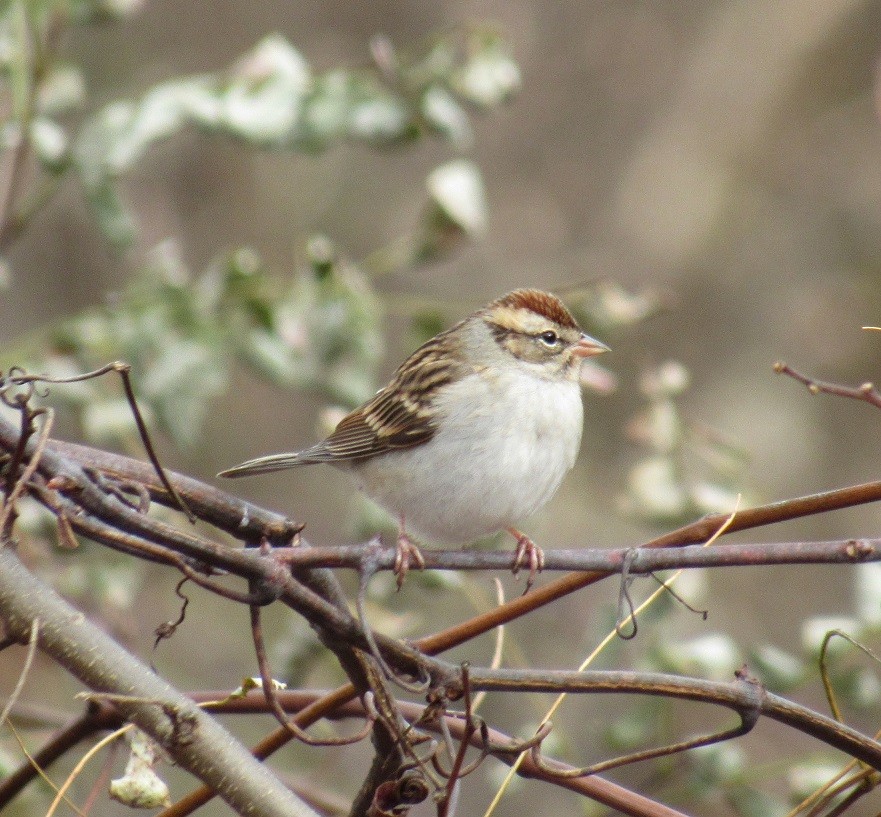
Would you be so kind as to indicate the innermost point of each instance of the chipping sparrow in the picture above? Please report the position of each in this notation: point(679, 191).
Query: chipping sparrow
point(475, 431)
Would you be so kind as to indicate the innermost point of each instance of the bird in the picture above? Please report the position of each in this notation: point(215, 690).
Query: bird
point(474, 432)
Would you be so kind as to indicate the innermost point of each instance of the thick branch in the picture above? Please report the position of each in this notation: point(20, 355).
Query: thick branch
point(190, 736)
point(229, 513)
point(602, 791)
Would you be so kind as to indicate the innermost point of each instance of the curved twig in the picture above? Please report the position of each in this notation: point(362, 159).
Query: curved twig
point(738, 696)
point(748, 720)
point(21, 482)
point(33, 640)
point(275, 707)
point(423, 682)
point(123, 369)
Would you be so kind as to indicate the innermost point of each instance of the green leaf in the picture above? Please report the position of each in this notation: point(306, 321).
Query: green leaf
point(161, 113)
point(807, 776)
point(718, 763)
point(381, 120)
point(50, 142)
point(456, 188)
point(96, 11)
point(868, 593)
point(275, 359)
point(326, 110)
point(181, 382)
point(814, 630)
point(98, 139)
point(715, 656)
point(634, 728)
point(110, 420)
point(263, 102)
point(61, 90)
point(777, 669)
point(446, 116)
point(114, 220)
point(654, 490)
point(751, 802)
point(489, 78)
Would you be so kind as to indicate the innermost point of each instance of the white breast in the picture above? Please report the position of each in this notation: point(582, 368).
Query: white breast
point(504, 445)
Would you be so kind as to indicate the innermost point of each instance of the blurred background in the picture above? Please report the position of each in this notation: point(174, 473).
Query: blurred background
point(702, 181)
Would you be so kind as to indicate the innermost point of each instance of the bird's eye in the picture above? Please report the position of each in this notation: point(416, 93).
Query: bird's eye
point(549, 338)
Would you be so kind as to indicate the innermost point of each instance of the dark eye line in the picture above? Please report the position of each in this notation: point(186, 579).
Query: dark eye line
point(502, 334)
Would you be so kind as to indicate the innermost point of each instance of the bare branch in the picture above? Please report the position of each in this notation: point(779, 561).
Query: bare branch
point(738, 696)
point(124, 371)
point(866, 392)
point(643, 558)
point(227, 512)
point(88, 489)
point(190, 736)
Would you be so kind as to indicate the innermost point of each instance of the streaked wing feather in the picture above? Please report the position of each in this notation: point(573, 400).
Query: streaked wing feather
point(399, 415)
point(384, 424)
point(351, 440)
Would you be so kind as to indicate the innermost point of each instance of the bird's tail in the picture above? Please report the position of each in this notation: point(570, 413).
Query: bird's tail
point(265, 465)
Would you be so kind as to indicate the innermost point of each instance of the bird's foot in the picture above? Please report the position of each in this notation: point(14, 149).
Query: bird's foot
point(406, 551)
point(527, 553)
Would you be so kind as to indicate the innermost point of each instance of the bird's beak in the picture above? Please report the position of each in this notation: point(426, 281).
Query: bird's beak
point(589, 347)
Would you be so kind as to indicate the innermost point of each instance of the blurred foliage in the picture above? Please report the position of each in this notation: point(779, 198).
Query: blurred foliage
point(688, 469)
point(318, 328)
point(269, 99)
point(181, 333)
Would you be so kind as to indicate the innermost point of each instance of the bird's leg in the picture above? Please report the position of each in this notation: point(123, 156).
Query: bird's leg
point(406, 551)
point(527, 553)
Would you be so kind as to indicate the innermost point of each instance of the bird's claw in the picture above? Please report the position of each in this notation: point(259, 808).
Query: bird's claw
point(527, 553)
point(406, 551)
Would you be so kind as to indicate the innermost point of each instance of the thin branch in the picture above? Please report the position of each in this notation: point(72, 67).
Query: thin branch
point(866, 392)
point(824, 666)
point(747, 721)
point(81, 763)
point(9, 507)
point(859, 785)
point(643, 559)
point(25, 670)
point(310, 714)
point(503, 747)
point(251, 568)
point(694, 533)
point(271, 696)
point(133, 545)
point(123, 369)
point(97, 717)
point(341, 630)
point(738, 696)
point(38, 771)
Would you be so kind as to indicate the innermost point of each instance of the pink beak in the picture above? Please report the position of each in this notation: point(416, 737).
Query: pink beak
point(589, 347)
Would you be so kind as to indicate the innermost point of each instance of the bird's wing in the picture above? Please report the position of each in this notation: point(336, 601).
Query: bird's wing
point(399, 416)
